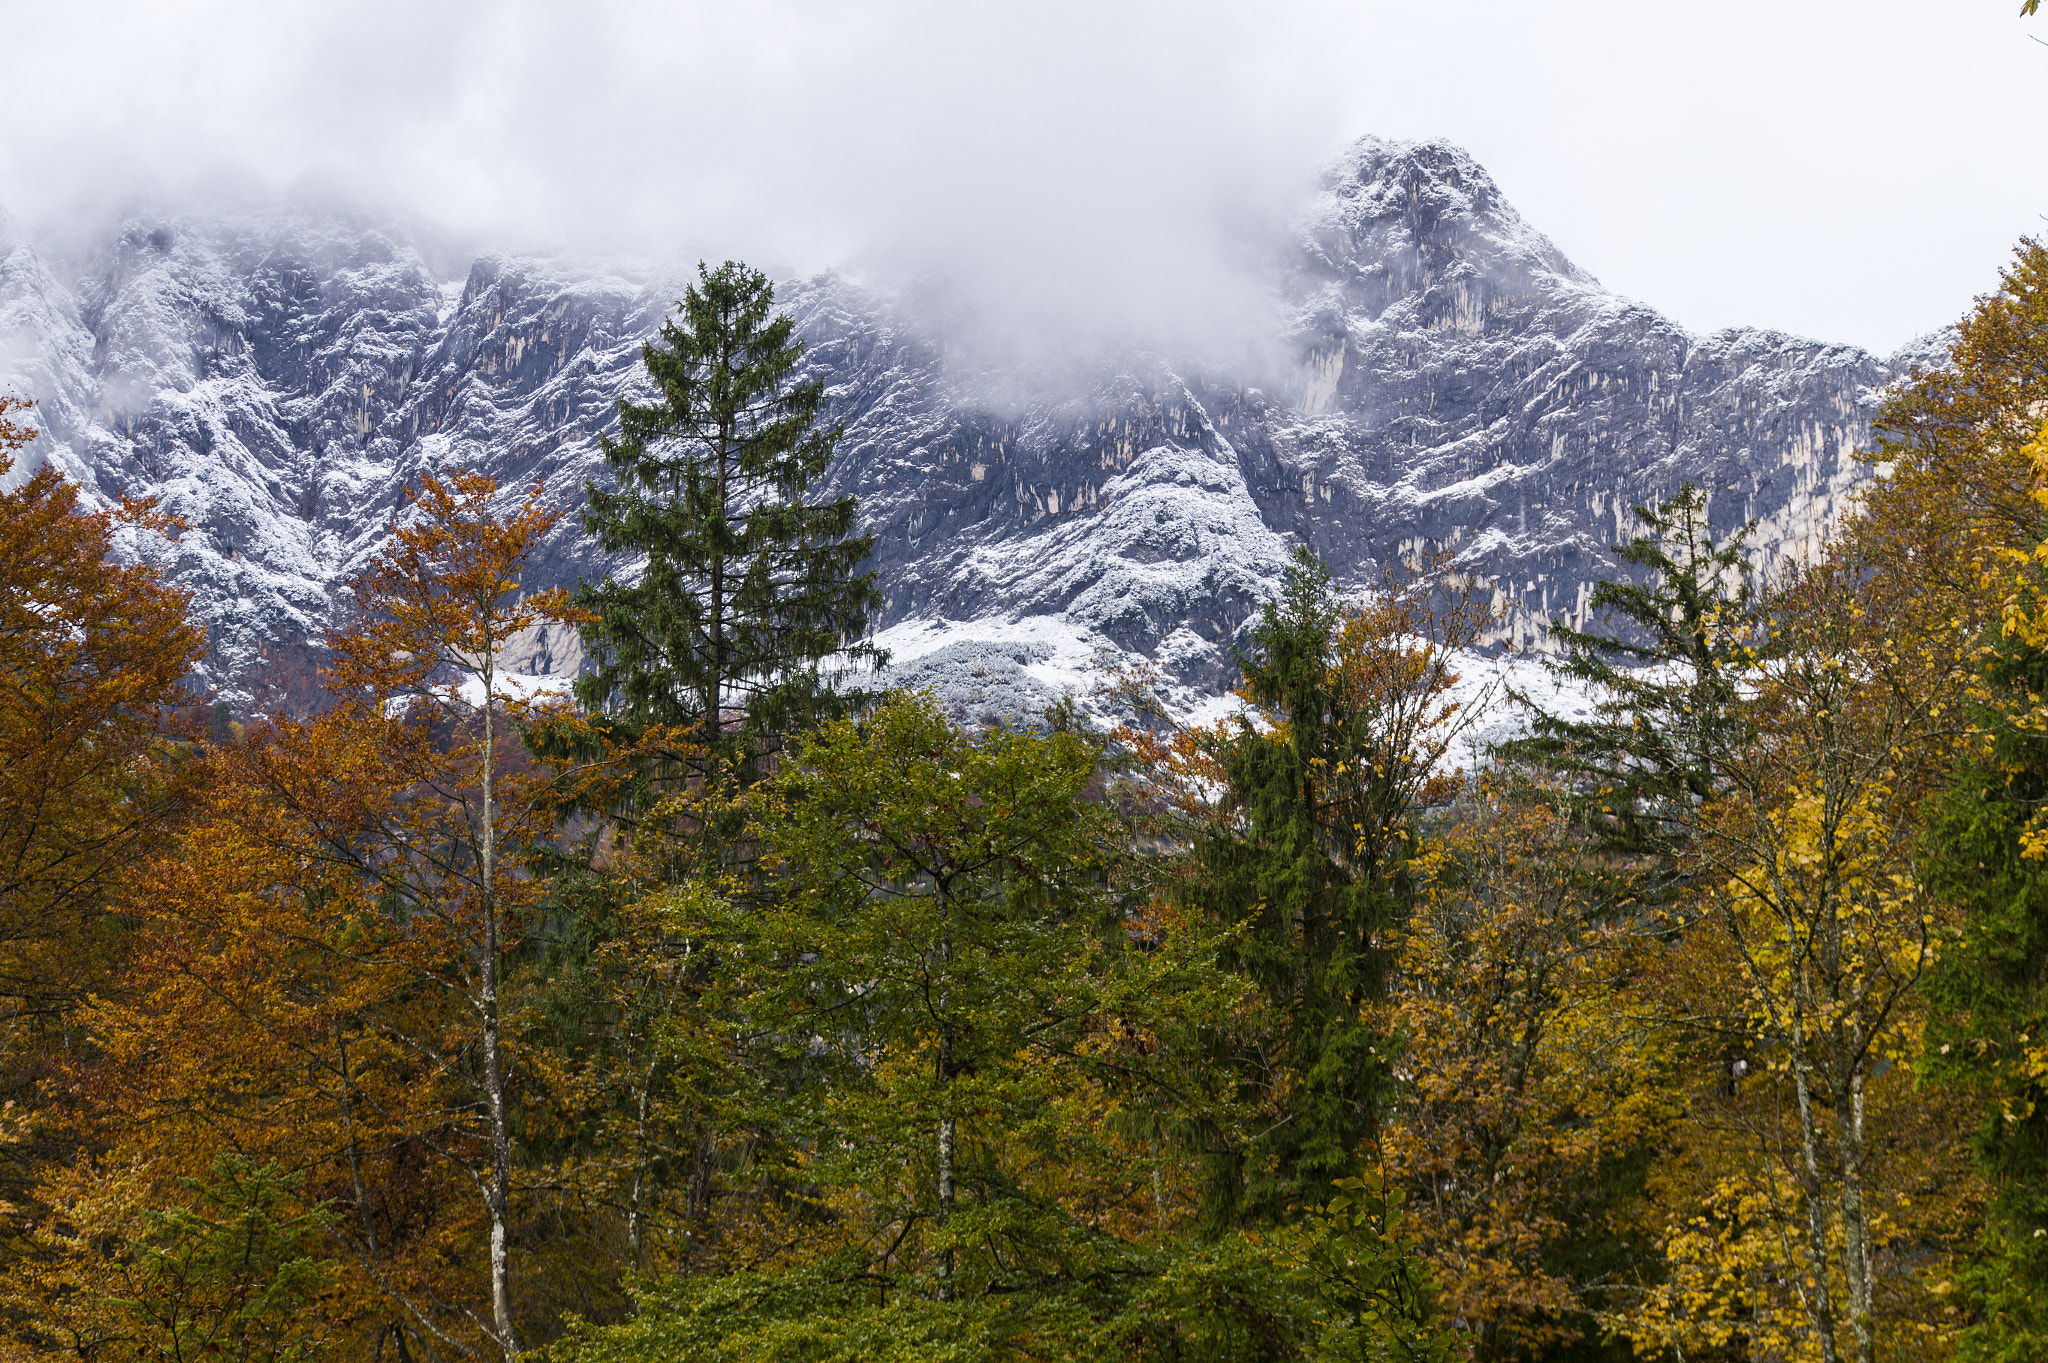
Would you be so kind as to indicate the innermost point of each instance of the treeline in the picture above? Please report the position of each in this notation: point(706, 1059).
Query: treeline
point(731, 1010)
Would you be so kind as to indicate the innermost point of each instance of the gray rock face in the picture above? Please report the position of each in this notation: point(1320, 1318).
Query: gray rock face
point(1447, 384)
point(1470, 390)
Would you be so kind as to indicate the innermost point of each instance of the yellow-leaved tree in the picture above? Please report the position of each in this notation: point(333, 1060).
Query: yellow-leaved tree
point(1792, 1206)
point(1530, 1093)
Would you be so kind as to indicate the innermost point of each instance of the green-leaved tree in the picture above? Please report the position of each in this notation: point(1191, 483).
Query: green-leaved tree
point(1990, 1017)
point(960, 1003)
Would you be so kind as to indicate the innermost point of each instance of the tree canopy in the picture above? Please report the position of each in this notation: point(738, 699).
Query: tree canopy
point(738, 588)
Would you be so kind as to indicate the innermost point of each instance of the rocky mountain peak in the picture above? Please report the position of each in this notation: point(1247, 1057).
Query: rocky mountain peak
point(1452, 387)
point(1421, 222)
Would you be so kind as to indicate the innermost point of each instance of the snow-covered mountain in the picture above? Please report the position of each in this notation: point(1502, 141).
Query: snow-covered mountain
point(1445, 381)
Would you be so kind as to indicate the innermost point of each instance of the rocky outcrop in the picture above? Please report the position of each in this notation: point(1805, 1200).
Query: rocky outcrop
point(1442, 382)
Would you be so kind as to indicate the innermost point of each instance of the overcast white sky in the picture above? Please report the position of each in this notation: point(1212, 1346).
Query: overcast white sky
point(1849, 169)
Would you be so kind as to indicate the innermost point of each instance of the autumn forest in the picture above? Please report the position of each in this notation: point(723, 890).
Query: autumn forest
point(725, 1006)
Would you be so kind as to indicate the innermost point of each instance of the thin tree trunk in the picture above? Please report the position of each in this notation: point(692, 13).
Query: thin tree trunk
point(1820, 1307)
point(713, 726)
point(643, 1162)
point(1158, 1188)
point(945, 1159)
point(1845, 1088)
point(355, 1154)
point(635, 1218)
point(945, 1077)
point(355, 1173)
point(499, 1197)
point(1856, 1250)
point(697, 1199)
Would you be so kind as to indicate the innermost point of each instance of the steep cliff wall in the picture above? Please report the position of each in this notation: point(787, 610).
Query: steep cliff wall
point(1439, 380)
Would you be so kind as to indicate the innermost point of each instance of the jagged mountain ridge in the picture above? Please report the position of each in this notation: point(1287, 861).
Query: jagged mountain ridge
point(1448, 383)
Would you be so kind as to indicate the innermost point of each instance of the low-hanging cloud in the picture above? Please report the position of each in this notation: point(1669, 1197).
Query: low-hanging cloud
point(1854, 173)
point(1055, 164)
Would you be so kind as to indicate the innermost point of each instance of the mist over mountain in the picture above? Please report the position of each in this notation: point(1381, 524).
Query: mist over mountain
point(1411, 370)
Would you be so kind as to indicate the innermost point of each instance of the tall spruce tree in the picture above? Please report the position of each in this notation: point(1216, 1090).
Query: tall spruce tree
point(1308, 865)
point(1988, 1029)
point(748, 587)
point(1666, 683)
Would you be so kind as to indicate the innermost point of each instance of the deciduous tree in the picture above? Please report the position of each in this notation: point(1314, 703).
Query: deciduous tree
point(328, 944)
point(1532, 1090)
point(949, 983)
point(439, 607)
point(231, 1270)
point(1956, 490)
point(94, 651)
point(1807, 857)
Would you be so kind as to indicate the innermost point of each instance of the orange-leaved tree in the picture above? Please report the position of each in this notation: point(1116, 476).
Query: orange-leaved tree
point(278, 1004)
point(320, 970)
point(1528, 1092)
point(93, 651)
point(440, 607)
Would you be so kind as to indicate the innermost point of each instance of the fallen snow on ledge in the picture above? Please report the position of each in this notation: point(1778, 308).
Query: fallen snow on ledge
point(1002, 669)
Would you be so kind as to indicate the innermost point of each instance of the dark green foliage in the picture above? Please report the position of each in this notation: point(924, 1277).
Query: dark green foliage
point(747, 588)
point(940, 895)
point(935, 960)
point(1666, 685)
point(1989, 993)
point(230, 1276)
point(1231, 1302)
point(1342, 1286)
point(1308, 867)
point(1376, 1291)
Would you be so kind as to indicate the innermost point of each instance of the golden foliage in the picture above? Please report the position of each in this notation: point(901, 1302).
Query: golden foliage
point(1957, 487)
point(316, 957)
point(92, 652)
point(1528, 1084)
point(1788, 1219)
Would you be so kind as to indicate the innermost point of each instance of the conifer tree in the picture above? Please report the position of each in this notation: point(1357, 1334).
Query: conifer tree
point(748, 587)
point(1310, 861)
point(1665, 683)
point(1986, 854)
point(1990, 1014)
